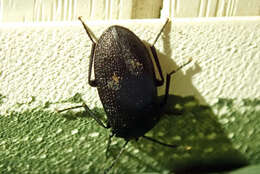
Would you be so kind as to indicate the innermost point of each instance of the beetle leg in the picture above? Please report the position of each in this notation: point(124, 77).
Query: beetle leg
point(159, 142)
point(109, 143)
point(161, 81)
point(91, 82)
point(117, 157)
point(158, 82)
point(158, 35)
point(89, 112)
point(87, 30)
point(168, 80)
point(94, 116)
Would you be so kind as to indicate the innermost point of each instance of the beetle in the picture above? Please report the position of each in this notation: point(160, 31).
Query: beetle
point(126, 83)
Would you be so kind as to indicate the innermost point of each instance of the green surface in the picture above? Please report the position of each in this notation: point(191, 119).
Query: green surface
point(253, 169)
point(41, 141)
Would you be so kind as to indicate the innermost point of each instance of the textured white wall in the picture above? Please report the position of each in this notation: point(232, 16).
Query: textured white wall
point(50, 61)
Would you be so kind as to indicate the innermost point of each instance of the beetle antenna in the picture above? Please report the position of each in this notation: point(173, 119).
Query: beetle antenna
point(87, 30)
point(117, 157)
point(158, 35)
point(158, 142)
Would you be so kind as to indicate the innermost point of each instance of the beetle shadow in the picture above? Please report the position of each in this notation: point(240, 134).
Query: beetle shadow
point(180, 83)
point(203, 145)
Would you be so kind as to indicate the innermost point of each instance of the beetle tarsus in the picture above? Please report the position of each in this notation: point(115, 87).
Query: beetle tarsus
point(174, 71)
point(108, 144)
point(116, 159)
point(158, 35)
point(86, 29)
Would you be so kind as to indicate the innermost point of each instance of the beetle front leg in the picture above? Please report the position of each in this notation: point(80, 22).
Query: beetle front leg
point(91, 82)
point(161, 81)
point(168, 80)
point(167, 87)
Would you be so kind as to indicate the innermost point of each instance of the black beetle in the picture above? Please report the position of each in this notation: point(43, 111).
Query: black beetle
point(126, 83)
